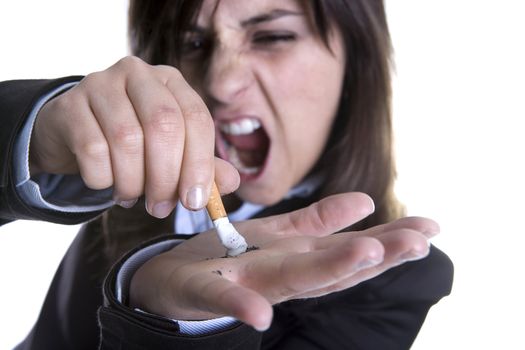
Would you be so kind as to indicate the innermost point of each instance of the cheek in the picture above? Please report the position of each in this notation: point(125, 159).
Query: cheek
point(309, 81)
point(310, 98)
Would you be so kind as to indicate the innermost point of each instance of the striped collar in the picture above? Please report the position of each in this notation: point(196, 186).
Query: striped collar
point(190, 222)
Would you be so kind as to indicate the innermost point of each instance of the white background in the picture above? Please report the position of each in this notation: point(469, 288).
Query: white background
point(458, 108)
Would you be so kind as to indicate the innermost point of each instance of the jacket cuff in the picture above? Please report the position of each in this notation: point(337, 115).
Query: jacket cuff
point(17, 100)
point(125, 328)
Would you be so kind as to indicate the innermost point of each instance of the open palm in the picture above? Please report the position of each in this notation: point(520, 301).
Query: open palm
point(293, 256)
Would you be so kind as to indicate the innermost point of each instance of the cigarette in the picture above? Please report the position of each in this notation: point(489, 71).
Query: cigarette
point(232, 240)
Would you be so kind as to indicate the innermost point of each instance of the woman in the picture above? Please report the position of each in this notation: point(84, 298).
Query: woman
point(298, 94)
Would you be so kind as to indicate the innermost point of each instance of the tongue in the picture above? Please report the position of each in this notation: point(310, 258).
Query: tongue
point(250, 142)
point(251, 158)
point(252, 148)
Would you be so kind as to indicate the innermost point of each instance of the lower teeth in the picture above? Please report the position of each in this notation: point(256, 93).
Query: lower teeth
point(233, 157)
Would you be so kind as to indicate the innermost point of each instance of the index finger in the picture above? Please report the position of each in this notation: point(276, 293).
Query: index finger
point(198, 162)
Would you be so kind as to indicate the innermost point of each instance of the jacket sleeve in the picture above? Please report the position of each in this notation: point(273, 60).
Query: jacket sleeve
point(126, 329)
point(17, 99)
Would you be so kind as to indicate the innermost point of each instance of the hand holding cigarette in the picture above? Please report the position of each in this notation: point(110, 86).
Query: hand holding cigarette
point(232, 240)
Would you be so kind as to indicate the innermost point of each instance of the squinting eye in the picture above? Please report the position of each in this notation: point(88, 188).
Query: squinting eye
point(269, 38)
point(193, 46)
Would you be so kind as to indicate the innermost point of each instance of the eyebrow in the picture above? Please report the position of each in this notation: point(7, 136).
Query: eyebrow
point(269, 16)
point(264, 17)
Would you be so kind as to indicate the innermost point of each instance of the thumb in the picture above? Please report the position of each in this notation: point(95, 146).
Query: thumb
point(220, 296)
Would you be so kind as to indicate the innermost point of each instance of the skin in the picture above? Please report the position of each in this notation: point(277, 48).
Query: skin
point(277, 70)
point(298, 258)
point(138, 128)
point(293, 87)
point(146, 131)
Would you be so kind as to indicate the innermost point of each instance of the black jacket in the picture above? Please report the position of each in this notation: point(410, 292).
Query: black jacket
point(80, 310)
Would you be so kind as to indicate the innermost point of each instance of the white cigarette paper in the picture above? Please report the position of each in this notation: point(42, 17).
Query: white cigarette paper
point(228, 235)
point(232, 240)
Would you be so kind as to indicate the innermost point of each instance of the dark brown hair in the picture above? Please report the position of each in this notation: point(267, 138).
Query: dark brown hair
point(359, 154)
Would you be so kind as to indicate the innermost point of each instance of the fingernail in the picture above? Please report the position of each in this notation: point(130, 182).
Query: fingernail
point(364, 264)
point(162, 209)
point(261, 328)
point(431, 232)
point(127, 204)
point(412, 255)
point(373, 205)
point(195, 197)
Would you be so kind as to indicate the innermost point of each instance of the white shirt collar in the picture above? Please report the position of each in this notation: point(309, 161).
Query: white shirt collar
point(189, 222)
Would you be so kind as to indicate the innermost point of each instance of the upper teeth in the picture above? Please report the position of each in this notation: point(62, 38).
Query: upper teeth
point(240, 126)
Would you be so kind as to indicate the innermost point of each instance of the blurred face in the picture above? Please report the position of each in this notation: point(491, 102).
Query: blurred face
point(272, 86)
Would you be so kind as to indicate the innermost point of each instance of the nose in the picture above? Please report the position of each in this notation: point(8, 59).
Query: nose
point(228, 75)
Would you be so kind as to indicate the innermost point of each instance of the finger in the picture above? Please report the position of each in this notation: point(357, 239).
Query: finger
point(400, 246)
point(123, 132)
point(226, 176)
point(198, 163)
point(163, 127)
point(426, 226)
point(85, 139)
point(322, 218)
point(296, 274)
point(219, 296)
point(403, 245)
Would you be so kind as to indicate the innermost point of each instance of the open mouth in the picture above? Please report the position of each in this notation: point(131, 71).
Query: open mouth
point(244, 143)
